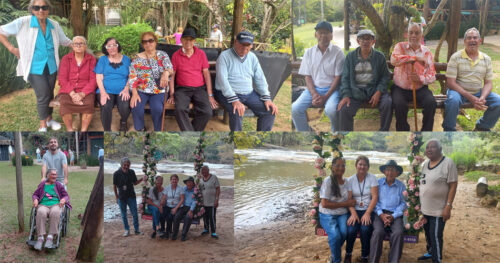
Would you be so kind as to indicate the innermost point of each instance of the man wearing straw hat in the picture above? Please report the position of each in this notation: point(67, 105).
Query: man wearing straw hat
point(390, 207)
point(186, 212)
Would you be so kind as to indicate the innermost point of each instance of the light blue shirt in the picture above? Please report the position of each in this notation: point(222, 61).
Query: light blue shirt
point(173, 196)
point(44, 49)
point(189, 198)
point(391, 197)
point(114, 80)
point(236, 75)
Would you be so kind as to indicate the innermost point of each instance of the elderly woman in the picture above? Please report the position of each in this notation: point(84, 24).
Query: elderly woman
point(333, 208)
point(38, 38)
point(414, 66)
point(173, 198)
point(49, 199)
point(78, 84)
point(149, 76)
point(112, 72)
point(154, 205)
point(363, 187)
point(390, 208)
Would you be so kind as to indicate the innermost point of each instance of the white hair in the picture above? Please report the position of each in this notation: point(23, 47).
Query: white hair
point(470, 30)
point(438, 144)
point(32, 2)
point(80, 37)
point(412, 24)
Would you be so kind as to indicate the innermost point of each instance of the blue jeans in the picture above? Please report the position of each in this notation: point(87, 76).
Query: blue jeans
point(132, 204)
point(365, 235)
point(335, 227)
point(265, 118)
point(158, 218)
point(300, 106)
point(155, 107)
point(452, 107)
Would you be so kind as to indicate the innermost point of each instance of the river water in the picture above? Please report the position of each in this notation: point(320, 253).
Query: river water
point(277, 184)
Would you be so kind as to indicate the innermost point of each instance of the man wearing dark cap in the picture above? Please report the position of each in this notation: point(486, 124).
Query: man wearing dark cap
point(364, 79)
point(238, 71)
point(322, 67)
point(390, 207)
point(186, 212)
point(191, 82)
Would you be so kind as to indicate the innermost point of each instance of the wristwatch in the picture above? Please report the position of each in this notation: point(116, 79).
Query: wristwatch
point(210, 95)
point(448, 203)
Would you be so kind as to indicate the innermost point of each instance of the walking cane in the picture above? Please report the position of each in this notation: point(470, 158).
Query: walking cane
point(164, 107)
point(414, 98)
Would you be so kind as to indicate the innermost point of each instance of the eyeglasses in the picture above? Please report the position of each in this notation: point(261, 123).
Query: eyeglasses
point(366, 39)
point(79, 44)
point(150, 41)
point(112, 46)
point(38, 7)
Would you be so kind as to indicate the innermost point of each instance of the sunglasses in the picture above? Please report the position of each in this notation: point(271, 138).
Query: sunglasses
point(112, 46)
point(150, 41)
point(38, 7)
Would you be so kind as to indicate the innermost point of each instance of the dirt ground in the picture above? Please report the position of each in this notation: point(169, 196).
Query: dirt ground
point(471, 235)
point(196, 248)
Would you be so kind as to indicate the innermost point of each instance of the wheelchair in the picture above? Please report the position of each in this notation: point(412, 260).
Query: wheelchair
point(62, 228)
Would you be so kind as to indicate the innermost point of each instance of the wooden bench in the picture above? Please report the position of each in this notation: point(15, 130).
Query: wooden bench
point(407, 238)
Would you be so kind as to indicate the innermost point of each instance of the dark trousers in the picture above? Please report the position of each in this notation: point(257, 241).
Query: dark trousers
point(365, 235)
point(202, 109)
point(434, 236)
point(265, 118)
point(346, 114)
point(155, 106)
point(169, 217)
point(401, 98)
point(396, 240)
point(209, 218)
point(44, 90)
point(107, 109)
point(181, 215)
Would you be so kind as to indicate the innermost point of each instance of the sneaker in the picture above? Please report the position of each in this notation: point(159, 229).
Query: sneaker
point(42, 129)
point(183, 238)
point(126, 233)
point(215, 236)
point(49, 243)
point(139, 233)
point(38, 245)
point(205, 232)
point(153, 235)
point(54, 125)
point(123, 126)
point(477, 128)
point(164, 236)
point(426, 256)
point(174, 237)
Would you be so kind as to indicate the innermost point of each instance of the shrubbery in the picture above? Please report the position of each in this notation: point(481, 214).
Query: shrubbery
point(26, 160)
point(464, 160)
point(129, 36)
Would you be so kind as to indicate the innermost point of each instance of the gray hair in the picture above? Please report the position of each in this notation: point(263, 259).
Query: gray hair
point(438, 144)
point(205, 167)
point(32, 2)
point(411, 24)
point(80, 37)
point(470, 30)
point(125, 160)
point(158, 177)
point(50, 170)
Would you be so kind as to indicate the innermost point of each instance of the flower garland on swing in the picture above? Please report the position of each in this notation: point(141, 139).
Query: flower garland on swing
point(321, 140)
point(199, 159)
point(149, 169)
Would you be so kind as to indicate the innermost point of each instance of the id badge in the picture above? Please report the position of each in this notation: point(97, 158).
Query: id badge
point(124, 188)
point(361, 204)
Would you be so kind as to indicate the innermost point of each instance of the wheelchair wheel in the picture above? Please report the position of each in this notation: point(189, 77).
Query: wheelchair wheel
point(32, 236)
point(65, 222)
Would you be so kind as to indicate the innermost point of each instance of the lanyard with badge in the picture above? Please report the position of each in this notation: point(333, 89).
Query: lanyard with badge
point(361, 190)
point(173, 195)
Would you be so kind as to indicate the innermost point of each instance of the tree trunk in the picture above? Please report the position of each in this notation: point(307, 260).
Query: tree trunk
point(397, 25)
point(77, 147)
point(438, 48)
point(102, 13)
point(89, 149)
point(483, 15)
point(237, 19)
point(271, 10)
point(171, 18)
point(347, 27)
point(434, 18)
point(216, 10)
point(93, 228)
point(76, 18)
point(427, 11)
point(453, 27)
point(294, 55)
point(19, 181)
point(163, 19)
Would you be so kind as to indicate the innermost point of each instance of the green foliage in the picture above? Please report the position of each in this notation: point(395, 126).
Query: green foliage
point(475, 175)
point(128, 36)
point(494, 188)
point(6, 10)
point(464, 160)
point(26, 160)
point(92, 161)
point(436, 31)
point(94, 36)
point(299, 47)
point(10, 82)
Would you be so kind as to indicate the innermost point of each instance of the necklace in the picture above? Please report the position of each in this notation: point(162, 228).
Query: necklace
point(173, 195)
point(361, 190)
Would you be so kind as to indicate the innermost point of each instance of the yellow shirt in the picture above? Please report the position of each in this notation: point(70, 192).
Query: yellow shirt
point(468, 73)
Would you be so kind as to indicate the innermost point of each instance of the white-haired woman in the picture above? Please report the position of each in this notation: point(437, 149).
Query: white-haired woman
point(78, 84)
point(38, 38)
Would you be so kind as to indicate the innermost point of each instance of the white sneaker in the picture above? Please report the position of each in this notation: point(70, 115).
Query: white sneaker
point(43, 129)
point(54, 125)
point(38, 245)
point(49, 243)
point(126, 233)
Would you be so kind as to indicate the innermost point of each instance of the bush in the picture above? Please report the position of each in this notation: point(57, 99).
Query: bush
point(26, 160)
point(464, 160)
point(10, 82)
point(92, 161)
point(436, 31)
point(94, 36)
point(129, 36)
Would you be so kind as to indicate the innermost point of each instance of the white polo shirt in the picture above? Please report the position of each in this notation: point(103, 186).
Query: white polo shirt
point(322, 67)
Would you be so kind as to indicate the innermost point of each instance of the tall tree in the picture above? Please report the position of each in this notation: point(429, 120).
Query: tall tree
point(271, 9)
point(19, 181)
point(76, 18)
point(453, 27)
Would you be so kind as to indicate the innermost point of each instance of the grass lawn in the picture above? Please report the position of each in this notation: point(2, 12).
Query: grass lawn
point(14, 248)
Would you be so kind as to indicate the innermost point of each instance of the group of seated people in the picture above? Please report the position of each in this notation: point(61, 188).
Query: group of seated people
point(342, 84)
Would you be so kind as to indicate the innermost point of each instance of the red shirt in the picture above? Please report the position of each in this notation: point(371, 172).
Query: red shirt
point(189, 70)
point(71, 77)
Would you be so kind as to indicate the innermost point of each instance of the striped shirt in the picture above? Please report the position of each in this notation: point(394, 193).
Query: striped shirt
point(468, 73)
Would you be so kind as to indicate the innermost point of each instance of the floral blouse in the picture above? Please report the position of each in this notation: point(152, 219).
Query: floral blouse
point(144, 71)
point(403, 53)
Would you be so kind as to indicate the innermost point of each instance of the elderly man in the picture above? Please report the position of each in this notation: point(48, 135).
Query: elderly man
point(237, 68)
point(191, 82)
point(466, 72)
point(215, 37)
point(186, 212)
point(210, 189)
point(364, 79)
point(55, 159)
point(322, 67)
point(438, 186)
point(124, 180)
point(390, 207)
